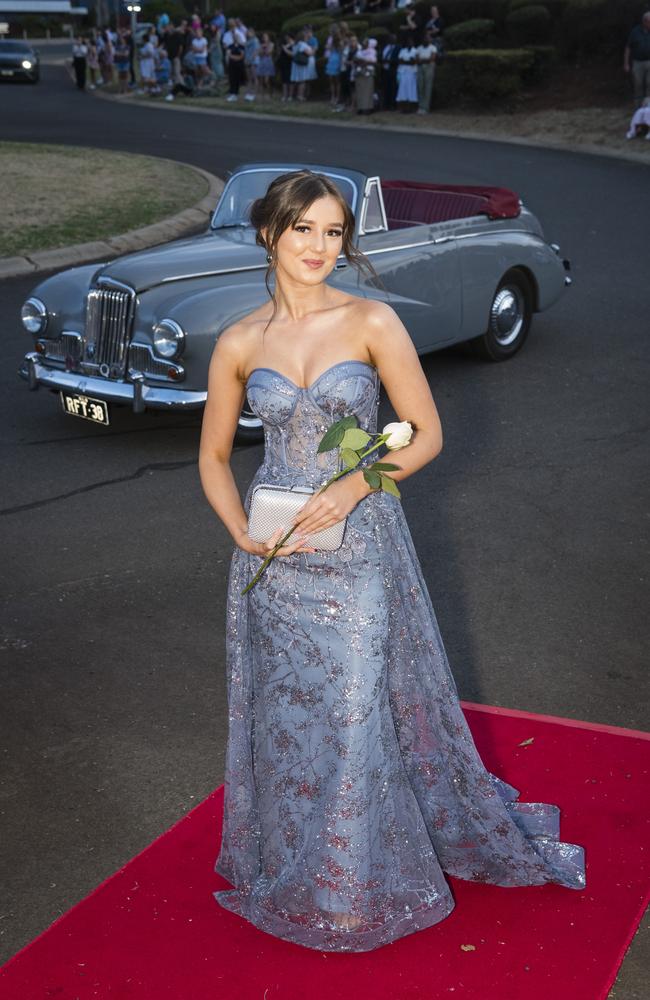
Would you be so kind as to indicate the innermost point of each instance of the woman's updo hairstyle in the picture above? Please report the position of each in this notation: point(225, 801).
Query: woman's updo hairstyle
point(287, 198)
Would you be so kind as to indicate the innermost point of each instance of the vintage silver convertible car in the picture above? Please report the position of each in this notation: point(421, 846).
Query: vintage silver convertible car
point(456, 263)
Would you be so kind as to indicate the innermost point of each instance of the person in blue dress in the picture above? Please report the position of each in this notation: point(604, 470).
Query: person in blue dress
point(353, 783)
point(301, 67)
point(333, 69)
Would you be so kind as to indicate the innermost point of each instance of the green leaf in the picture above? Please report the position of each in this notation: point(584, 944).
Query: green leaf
point(390, 486)
point(334, 433)
point(372, 478)
point(350, 457)
point(354, 438)
point(384, 466)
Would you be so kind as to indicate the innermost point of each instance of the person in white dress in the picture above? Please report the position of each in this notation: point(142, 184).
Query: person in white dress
point(147, 65)
point(407, 86)
point(200, 53)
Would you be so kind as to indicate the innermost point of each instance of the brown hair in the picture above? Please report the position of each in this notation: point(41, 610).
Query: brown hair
point(287, 197)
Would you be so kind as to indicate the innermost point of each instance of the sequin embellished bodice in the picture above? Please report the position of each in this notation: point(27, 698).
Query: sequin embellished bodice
point(296, 417)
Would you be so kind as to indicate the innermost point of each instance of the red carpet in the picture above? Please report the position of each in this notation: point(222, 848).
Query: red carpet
point(153, 929)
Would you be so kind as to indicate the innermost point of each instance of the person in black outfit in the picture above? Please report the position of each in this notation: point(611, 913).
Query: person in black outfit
point(236, 70)
point(79, 54)
point(389, 64)
point(173, 41)
point(637, 59)
point(128, 38)
point(284, 64)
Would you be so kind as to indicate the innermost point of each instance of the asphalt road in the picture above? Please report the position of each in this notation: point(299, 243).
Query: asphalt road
point(531, 525)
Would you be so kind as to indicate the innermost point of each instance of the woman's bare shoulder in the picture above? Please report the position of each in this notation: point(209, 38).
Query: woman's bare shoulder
point(384, 334)
point(236, 342)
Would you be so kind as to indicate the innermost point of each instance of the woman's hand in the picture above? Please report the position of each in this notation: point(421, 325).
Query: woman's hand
point(322, 510)
point(294, 543)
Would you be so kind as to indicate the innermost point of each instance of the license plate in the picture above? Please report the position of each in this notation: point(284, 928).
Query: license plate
point(77, 405)
point(7, 72)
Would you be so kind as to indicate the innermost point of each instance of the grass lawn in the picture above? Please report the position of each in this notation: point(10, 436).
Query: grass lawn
point(66, 194)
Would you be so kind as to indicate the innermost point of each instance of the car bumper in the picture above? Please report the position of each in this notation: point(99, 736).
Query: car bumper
point(18, 73)
point(133, 393)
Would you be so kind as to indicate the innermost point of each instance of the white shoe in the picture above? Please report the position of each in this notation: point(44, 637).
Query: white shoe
point(169, 97)
point(91, 86)
point(231, 97)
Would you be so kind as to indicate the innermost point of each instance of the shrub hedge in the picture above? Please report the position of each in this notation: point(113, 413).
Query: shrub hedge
point(316, 18)
point(554, 7)
point(545, 59)
point(482, 75)
point(455, 11)
point(475, 34)
point(529, 25)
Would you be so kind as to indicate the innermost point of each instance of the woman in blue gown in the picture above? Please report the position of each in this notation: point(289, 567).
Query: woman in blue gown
point(353, 783)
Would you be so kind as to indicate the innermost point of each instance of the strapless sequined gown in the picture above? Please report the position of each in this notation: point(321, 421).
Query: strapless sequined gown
point(352, 779)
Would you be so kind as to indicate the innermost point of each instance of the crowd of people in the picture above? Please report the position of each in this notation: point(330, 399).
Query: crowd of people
point(223, 56)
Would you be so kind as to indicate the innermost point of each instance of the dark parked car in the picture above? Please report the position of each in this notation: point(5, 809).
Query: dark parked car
point(18, 61)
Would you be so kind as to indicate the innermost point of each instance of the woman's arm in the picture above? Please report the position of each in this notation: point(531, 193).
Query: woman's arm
point(226, 392)
point(394, 355)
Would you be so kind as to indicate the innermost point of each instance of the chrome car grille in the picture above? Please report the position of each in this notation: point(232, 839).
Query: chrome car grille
point(143, 359)
point(109, 317)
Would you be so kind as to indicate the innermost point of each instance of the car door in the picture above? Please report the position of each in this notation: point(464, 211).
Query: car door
point(418, 267)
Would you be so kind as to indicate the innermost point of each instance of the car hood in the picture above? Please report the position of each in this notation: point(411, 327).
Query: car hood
point(15, 58)
point(204, 255)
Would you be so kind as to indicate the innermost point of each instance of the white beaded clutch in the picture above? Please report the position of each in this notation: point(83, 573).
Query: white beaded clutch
point(274, 506)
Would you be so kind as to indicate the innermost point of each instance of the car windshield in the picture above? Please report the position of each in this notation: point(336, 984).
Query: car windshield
point(234, 206)
point(6, 46)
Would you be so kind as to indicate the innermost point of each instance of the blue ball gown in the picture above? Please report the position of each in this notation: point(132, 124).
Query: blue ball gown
point(352, 779)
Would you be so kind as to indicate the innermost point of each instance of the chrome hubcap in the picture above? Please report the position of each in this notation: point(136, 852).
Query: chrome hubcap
point(507, 315)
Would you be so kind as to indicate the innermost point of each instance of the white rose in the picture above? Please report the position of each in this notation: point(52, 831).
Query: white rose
point(399, 434)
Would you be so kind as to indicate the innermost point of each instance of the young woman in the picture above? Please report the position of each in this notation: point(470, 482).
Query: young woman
point(364, 76)
point(266, 66)
point(350, 48)
point(300, 67)
point(251, 62)
point(215, 54)
point(407, 71)
point(106, 57)
point(352, 779)
point(333, 68)
point(147, 56)
point(285, 63)
point(79, 62)
point(235, 66)
point(93, 64)
point(200, 53)
point(122, 56)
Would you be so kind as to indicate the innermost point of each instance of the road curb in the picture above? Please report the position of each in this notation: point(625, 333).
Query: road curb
point(587, 148)
point(173, 227)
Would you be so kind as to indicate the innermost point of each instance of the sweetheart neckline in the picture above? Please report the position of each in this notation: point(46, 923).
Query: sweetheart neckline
point(307, 388)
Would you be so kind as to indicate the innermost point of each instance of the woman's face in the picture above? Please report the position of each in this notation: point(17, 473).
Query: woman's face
point(316, 236)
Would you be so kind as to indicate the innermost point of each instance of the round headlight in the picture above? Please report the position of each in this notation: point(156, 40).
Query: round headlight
point(26, 64)
point(168, 338)
point(34, 316)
